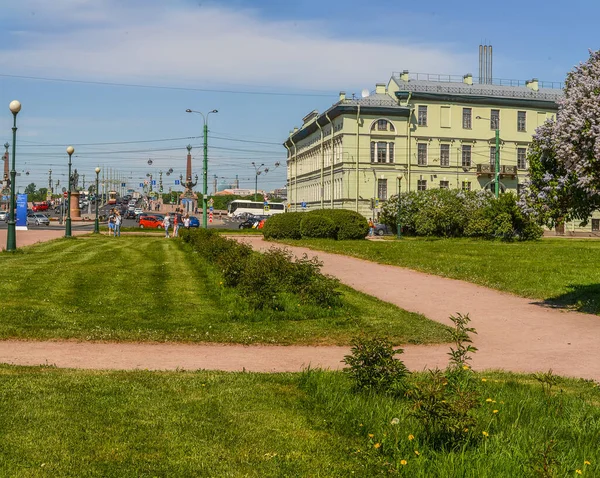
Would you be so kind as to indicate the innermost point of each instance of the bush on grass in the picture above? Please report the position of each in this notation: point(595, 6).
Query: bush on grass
point(349, 224)
point(317, 227)
point(283, 226)
point(456, 213)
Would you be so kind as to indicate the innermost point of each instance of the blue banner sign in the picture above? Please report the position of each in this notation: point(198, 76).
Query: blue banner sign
point(177, 182)
point(21, 210)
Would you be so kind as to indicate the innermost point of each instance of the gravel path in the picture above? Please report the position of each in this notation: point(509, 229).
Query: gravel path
point(513, 333)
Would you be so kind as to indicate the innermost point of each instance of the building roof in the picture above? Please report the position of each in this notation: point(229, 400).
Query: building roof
point(447, 90)
point(375, 100)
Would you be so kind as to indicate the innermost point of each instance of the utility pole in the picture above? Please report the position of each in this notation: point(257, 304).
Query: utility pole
point(497, 165)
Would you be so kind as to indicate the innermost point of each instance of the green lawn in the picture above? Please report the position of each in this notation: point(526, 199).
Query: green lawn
point(58, 423)
point(564, 272)
point(140, 288)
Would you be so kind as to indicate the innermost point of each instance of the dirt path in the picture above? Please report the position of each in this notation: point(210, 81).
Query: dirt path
point(513, 333)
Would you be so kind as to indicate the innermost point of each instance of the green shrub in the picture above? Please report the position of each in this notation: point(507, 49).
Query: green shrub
point(283, 226)
point(372, 365)
point(348, 224)
point(317, 226)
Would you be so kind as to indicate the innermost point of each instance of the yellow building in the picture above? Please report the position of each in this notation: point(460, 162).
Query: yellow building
point(417, 132)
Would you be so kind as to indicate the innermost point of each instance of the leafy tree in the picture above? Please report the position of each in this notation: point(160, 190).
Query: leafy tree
point(564, 160)
point(30, 189)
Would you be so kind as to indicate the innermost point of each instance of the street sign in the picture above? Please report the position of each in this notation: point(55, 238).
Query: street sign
point(211, 201)
point(66, 194)
point(303, 204)
point(210, 217)
point(154, 182)
point(267, 208)
point(123, 185)
point(211, 209)
point(5, 198)
point(177, 182)
point(141, 185)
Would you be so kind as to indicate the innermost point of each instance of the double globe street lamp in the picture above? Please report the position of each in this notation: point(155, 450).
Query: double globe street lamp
point(204, 164)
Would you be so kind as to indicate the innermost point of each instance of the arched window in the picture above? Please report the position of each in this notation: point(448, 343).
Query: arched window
point(382, 125)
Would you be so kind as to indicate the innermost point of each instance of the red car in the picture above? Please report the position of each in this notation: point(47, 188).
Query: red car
point(150, 222)
point(39, 206)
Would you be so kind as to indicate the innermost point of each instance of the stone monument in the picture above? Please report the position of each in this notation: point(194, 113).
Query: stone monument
point(188, 199)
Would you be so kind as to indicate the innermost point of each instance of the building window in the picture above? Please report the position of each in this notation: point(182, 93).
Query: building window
point(421, 185)
point(521, 121)
point(444, 184)
point(495, 119)
point(466, 156)
point(467, 118)
point(522, 158)
point(382, 189)
point(382, 125)
point(444, 155)
point(422, 118)
point(492, 155)
point(422, 154)
point(595, 225)
point(381, 152)
point(466, 185)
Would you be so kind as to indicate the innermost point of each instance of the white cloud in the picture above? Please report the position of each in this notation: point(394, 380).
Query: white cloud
point(105, 41)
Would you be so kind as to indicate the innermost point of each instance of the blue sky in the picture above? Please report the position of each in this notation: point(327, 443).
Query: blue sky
point(263, 64)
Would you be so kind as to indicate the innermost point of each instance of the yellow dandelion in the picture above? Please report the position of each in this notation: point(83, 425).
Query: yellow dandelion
point(371, 435)
point(411, 437)
point(578, 472)
point(484, 379)
point(465, 430)
point(466, 367)
point(360, 425)
point(485, 434)
point(417, 452)
point(495, 411)
point(488, 400)
point(377, 445)
point(501, 402)
point(403, 462)
point(586, 462)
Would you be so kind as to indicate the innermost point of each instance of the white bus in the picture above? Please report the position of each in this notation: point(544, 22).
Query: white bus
point(240, 206)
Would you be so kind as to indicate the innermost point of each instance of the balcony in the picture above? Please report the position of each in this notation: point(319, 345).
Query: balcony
point(488, 169)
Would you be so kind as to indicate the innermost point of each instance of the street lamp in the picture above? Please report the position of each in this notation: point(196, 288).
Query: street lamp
point(496, 159)
point(11, 235)
point(204, 164)
point(257, 171)
point(398, 223)
point(70, 151)
point(96, 223)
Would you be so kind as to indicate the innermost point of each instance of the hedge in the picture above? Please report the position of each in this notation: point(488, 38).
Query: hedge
point(317, 226)
point(346, 225)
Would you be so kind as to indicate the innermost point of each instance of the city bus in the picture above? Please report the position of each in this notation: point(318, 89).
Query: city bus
point(112, 197)
point(257, 208)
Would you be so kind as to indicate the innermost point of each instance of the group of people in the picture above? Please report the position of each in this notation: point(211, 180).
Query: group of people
point(114, 223)
point(177, 220)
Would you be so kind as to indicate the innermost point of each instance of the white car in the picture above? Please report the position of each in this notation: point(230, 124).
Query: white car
point(3, 215)
point(38, 219)
point(138, 211)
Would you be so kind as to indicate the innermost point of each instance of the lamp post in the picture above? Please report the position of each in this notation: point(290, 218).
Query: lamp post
point(204, 164)
point(11, 234)
point(496, 159)
point(96, 222)
point(257, 171)
point(398, 223)
point(70, 151)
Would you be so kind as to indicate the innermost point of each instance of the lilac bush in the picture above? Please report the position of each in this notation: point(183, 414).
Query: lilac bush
point(564, 162)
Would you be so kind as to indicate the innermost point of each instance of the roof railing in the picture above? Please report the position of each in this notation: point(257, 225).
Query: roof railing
point(459, 79)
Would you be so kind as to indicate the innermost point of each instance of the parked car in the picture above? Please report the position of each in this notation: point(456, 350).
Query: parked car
point(194, 221)
point(249, 223)
point(381, 229)
point(129, 214)
point(39, 206)
point(150, 222)
point(38, 219)
point(4, 216)
point(261, 224)
point(138, 210)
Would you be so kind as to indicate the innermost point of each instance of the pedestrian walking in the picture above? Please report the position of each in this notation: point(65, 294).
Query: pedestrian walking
point(175, 224)
point(186, 221)
point(111, 222)
point(117, 224)
point(371, 227)
point(166, 223)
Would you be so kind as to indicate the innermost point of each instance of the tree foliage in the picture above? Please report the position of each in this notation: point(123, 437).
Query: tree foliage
point(564, 160)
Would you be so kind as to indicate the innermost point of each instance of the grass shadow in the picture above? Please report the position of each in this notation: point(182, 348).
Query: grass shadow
point(584, 298)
